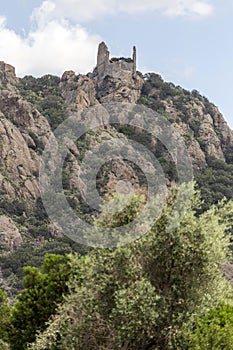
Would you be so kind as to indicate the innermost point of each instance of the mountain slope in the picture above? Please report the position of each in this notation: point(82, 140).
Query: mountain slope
point(31, 108)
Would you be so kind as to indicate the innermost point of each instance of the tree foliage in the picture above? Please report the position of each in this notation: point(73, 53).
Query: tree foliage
point(38, 301)
point(4, 317)
point(140, 296)
point(214, 331)
point(45, 95)
point(215, 182)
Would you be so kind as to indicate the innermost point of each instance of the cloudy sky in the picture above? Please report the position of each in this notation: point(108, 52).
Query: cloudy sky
point(186, 41)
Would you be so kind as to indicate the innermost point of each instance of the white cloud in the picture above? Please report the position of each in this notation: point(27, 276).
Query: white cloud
point(77, 10)
point(91, 9)
point(168, 7)
point(189, 8)
point(53, 48)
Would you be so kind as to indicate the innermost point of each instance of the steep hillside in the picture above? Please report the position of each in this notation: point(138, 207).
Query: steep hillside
point(208, 138)
point(31, 109)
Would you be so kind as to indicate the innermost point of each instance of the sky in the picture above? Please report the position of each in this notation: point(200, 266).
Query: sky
point(188, 42)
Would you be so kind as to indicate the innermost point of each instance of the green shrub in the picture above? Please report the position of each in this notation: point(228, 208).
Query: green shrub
point(214, 331)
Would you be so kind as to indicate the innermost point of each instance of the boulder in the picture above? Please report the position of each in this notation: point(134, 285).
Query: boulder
point(10, 236)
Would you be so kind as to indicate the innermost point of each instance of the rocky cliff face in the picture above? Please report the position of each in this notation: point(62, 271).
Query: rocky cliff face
point(10, 236)
point(111, 81)
point(213, 133)
point(115, 80)
point(78, 92)
point(202, 125)
point(24, 130)
point(31, 108)
point(20, 125)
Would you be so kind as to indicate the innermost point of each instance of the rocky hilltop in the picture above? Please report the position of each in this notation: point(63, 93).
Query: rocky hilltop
point(23, 127)
point(31, 108)
point(116, 80)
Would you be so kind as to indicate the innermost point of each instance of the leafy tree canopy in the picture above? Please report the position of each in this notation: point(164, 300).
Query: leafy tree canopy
point(38, 301)
point(140, 296)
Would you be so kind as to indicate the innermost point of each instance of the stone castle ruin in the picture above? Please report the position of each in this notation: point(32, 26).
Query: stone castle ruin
point(113, 67)
point(116, 79)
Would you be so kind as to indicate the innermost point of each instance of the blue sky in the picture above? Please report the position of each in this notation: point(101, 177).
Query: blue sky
point(188, 42)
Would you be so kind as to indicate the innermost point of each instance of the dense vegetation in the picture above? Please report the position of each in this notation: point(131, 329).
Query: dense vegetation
point(32, 252)
point(215, 180)
point(45, 95)
point(158, 292)
point(164, 291)
point(213, 331)
point(38, 301)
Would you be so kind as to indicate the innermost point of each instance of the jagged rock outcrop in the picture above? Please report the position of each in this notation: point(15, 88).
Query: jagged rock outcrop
point(116, 80)
point(78, 92)
point(7, 74)
point(222, 127)
point(21, 127)
point(121, 178)
point(18, 169)
point(23, 115)
point(195, 152)
point(111, 81)
point(10, 236)
point(200, 123)
point(210, 139)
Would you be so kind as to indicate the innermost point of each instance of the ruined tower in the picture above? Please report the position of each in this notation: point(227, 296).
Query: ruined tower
point(134, 61)
point(116, 79)
point(108, 67)
point(102, 58)
point(103, 54)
